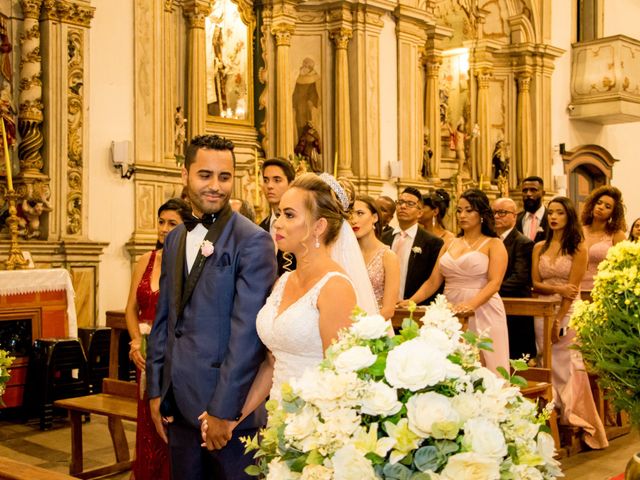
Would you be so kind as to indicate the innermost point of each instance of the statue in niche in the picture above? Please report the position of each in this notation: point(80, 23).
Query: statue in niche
point(500, 161)
point(35, 203)
point(458, 143)
point(7, 110)
point(306, 99)
point(426, 170)
point(308, 147)
point(5, 51)
point(179, 135)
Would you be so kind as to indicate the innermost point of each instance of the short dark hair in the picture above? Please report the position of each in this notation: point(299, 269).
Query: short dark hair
point(480, 203)
point(207, 142)
point(415, 192)
point(284, 164)
point(373, 208)
point(534, 178)
point(389, 200)
point(572, 233)
point(177, 205)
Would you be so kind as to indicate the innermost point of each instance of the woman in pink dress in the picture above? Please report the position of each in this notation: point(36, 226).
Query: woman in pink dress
point(382, 262)
point(558, 265)
point(434, 210)
point(152, 454)
point(634, 231)
point(472, 266)
point(603, 226)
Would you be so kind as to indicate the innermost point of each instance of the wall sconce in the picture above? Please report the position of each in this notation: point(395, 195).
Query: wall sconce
point(121, 158)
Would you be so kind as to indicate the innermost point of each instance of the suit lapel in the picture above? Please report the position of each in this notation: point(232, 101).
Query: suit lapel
point(417, 242)
point(180, 269)
point(213, 234)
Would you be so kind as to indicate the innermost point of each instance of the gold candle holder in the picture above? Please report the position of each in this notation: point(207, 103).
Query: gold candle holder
point(16, 260)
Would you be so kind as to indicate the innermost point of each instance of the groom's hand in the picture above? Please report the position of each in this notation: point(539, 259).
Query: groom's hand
point(218, 431)
point(159, 421)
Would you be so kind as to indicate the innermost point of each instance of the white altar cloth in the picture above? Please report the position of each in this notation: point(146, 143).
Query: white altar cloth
point(17, 282)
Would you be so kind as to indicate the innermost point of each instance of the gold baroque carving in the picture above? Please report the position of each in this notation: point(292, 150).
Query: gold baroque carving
point(341, 37)
point(263, 99)
point(68, 12)
point(282, 32)
point(524, 81)
point(31, 8)
point(32, 34)
point(31, 57)
point(196, 13)
point(75, 81)
point(484, 77)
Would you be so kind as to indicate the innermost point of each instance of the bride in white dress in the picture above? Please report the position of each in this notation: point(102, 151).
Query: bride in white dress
point(308, 306)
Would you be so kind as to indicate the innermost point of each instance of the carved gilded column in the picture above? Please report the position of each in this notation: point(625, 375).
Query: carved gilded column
point(524, 140)
point(341, 37)
point(481, 167)
point(284, 103)
point(432, 109)
point(196, 11)
point(169, 92)
point(30, 114)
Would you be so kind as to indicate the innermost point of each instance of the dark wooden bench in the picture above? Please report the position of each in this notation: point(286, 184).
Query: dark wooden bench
point(117, 401)
point(12, 470)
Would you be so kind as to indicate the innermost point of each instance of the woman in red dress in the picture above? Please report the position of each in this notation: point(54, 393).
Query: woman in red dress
point(152, 454)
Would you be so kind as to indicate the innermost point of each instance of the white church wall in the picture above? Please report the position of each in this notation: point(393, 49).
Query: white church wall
point(110, 202)
point(620, 17)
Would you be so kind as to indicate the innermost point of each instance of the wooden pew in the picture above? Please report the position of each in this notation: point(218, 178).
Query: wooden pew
point(118, 325)
point(117, 401)
point(13, 470)
point(401, 313)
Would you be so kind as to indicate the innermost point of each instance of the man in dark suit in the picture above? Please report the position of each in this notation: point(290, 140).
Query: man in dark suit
point(387, 208)
point(532, 222)
point(517, 278)
point(416, 248)
point(203, 353)
point(277, 174)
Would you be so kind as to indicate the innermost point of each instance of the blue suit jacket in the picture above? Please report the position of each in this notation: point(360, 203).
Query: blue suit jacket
point(210, 360)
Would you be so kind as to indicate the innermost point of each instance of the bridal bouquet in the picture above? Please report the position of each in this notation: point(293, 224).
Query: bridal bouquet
point(416, 406)
point(608, 328)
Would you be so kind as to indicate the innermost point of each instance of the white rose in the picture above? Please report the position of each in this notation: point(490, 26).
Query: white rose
point(354, 359)
point(437, 339)
point(415, 365)
point(484, 437)
point(301, 424)
point(278, 470)
point(380, 399)
point(471, 466)
point(491, 381)
point(466, 404)
point(316, 472)
point(145, 328)
point(328, 389)
point(349, 464)
point(426, 409)
point(546, 447)
point(370, 327)
point(525, 472)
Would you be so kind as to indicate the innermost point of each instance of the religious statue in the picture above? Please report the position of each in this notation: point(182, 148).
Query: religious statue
point(426, 169)
point(5, 51)
point(7, 114)
point(500, 161)
point(457, 142)
point(179, 135)
point(308, 147)
point(35, 203)
point(305, 95)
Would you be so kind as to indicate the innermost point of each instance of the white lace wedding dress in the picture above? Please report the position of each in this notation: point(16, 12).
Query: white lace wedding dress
point(293, 335)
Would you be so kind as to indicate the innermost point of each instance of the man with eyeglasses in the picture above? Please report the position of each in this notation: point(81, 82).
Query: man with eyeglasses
point(416, 248)
point(517, 279)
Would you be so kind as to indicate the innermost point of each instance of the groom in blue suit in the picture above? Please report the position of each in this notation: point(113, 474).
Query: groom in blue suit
point(203, 352)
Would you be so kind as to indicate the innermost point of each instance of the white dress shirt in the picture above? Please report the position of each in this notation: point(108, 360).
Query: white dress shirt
point(194, 241)
point(404, 253)
point(504, 235)
point(526, 220)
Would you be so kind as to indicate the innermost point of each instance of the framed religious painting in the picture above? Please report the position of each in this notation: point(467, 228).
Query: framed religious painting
point(229, 32)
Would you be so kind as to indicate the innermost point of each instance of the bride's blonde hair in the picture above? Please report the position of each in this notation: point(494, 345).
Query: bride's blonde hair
point(321, 202)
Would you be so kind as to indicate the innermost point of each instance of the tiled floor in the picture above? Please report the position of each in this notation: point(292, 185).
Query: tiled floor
point(51, 449)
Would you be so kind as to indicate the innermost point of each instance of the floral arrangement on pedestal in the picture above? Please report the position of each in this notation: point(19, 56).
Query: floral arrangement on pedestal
point(5, 363)
point(415, 406)
point(608, 328)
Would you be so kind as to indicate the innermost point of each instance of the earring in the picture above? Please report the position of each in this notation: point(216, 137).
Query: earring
point(482, 220)
point(317, 243)
point(433, 221)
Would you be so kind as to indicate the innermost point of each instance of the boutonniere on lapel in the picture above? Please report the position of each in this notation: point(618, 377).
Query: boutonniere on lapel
point(416, 250)
point(206, 249)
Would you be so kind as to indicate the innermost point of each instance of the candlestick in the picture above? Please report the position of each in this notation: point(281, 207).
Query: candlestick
point(481, 180)
point(335, 165)
point(256, 193)
point(7, 159)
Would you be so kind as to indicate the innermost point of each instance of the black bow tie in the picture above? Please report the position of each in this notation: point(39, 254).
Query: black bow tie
point(206, 220)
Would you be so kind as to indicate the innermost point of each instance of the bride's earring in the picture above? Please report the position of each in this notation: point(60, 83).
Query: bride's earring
point(317, 243)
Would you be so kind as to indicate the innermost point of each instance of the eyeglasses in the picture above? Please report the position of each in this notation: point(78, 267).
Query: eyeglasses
point(502, 213)
point(406, 203)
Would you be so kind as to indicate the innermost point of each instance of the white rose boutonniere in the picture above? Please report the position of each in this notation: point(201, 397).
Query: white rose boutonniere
point(416, 250)
point(206, 248)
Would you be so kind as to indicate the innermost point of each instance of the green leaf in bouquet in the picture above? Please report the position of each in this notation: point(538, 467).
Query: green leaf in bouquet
point(519, 365)
point(407, 460)
point(446, 447)
point(294, 406)
point(503, 372)
point(397, 471)
point(409, 329)
point(420, 476)
point(470, 337)
point(253, 470)
point(377, 369)
point(298, 463)
point(314, 458)
point(427, 458)
point(519, 381)
point(374, 458)
point(485, 344)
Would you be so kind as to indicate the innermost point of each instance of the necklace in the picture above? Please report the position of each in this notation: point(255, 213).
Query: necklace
point(471, 247)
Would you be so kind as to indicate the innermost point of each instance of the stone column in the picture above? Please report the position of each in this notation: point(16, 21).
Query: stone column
point(196, 11)
point(341, 37)
point(481, 167)
point(284, 103)
point(432, 109)
point(30, 114)
point(524, 140)
point(170, 90)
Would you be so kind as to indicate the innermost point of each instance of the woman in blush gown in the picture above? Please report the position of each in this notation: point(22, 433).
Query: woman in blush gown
point(603, 226)
point(382, 262)
point(152, 453)
point(434, 210)
point(472, 266)
point(558, 265)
